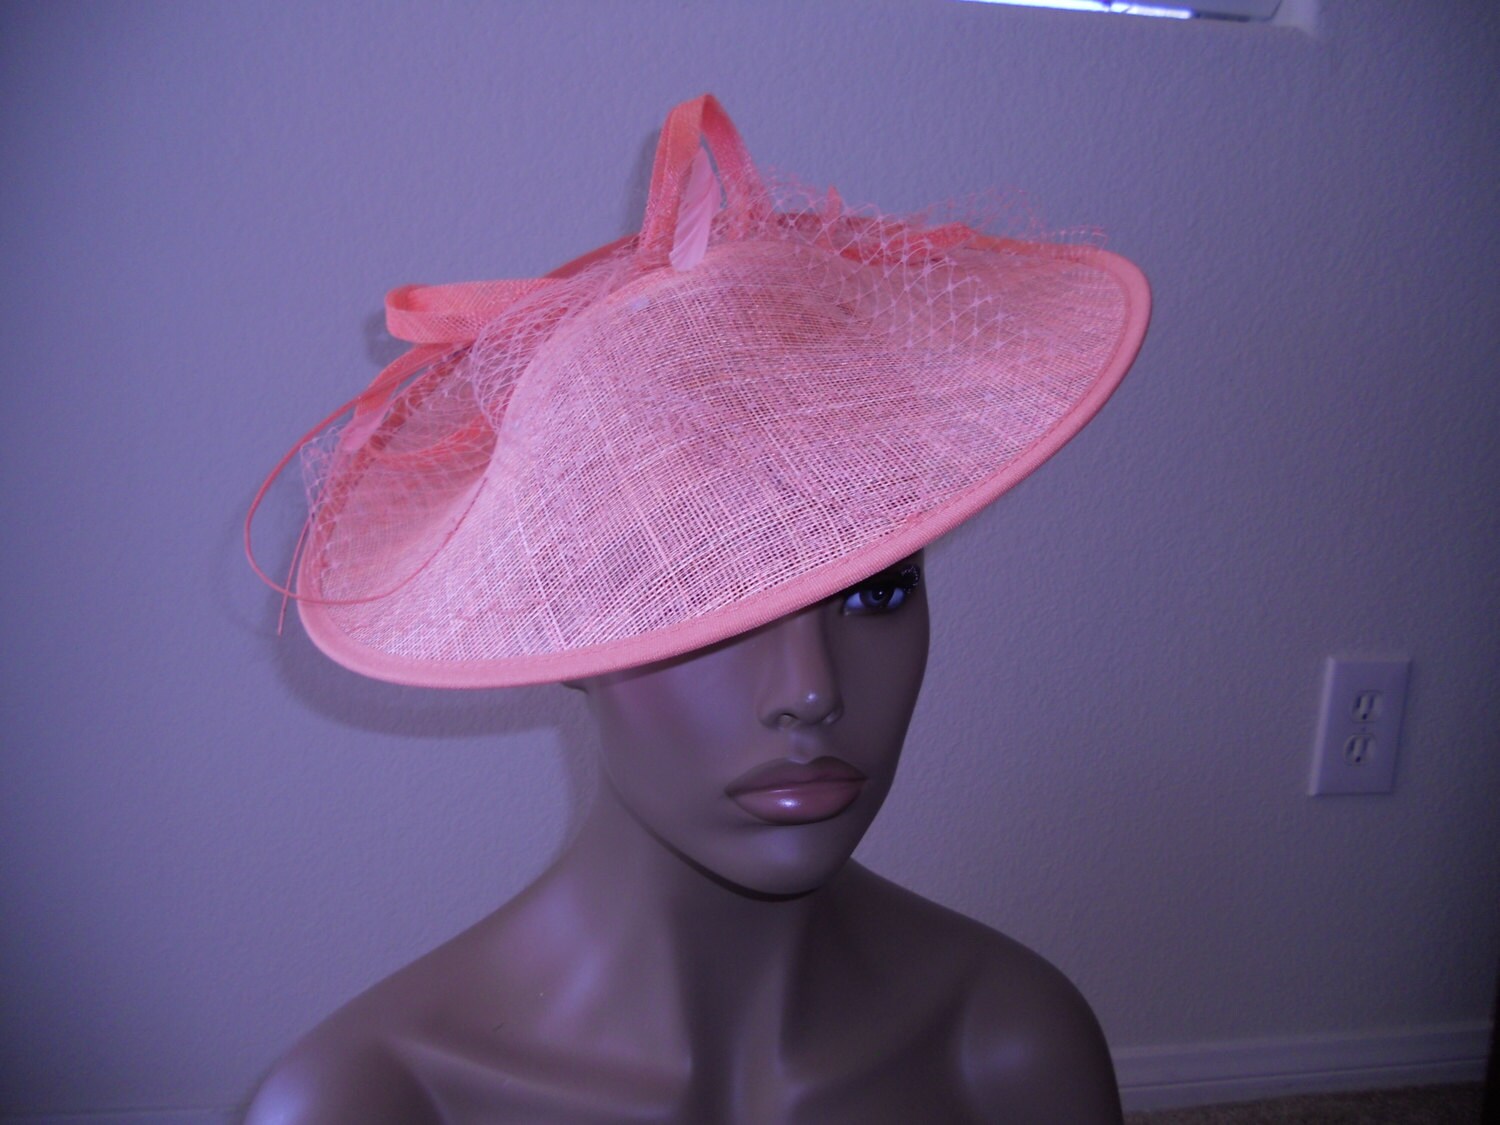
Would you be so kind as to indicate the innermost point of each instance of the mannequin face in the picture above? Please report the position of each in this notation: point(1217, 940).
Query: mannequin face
point(763, 759)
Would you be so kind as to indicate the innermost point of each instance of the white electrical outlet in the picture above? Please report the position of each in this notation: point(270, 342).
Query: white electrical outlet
point(1359, 727)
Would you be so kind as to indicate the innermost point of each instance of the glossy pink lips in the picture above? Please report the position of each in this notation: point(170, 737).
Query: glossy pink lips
point(788, 792)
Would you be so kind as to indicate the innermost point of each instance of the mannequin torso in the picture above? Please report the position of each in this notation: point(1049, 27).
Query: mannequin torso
point(700, 955)
point(983, 1031)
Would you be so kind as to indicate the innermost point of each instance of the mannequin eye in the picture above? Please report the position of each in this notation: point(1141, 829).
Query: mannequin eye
point(885, 592)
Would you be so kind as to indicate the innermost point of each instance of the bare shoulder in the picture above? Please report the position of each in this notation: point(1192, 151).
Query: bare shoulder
point(357, 1065)
point(1029, 1046)
point(1030, 1043)
point(333, 1077)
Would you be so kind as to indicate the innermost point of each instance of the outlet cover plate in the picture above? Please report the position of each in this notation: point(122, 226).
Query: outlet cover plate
point(1359, 725)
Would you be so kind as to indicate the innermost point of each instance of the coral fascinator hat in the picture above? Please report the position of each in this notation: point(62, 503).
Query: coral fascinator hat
point(681, 436)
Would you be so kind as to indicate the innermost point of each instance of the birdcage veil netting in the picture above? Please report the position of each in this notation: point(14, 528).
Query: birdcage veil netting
point(700, 429)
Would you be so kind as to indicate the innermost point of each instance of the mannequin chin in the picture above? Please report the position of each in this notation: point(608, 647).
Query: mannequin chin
point(764, 759)
point(705, 950)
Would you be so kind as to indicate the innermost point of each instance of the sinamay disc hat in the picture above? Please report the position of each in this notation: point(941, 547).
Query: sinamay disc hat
point(686, 434)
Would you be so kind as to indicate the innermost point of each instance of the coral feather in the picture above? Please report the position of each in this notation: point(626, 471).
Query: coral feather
point(700, 203)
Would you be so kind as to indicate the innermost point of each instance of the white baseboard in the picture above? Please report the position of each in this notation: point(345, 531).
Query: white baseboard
point(1246, 1070)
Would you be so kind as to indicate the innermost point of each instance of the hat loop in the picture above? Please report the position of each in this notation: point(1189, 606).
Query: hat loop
point(688, 127)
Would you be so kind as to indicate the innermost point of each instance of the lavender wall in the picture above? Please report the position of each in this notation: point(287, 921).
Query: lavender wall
point(211, 836)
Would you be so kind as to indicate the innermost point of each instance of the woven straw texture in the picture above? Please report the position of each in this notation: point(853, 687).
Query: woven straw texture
point(633, 459)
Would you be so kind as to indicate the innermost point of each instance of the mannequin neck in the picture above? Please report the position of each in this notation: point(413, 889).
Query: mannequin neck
point(639, 885)
point(668, 944)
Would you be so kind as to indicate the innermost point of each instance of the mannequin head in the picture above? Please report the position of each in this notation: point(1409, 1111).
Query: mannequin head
point(763, 759)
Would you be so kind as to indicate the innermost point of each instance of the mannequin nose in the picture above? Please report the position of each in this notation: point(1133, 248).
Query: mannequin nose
point(801, 682)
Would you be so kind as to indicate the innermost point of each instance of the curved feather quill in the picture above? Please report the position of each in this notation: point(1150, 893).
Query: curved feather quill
point(695, 217)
